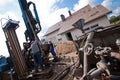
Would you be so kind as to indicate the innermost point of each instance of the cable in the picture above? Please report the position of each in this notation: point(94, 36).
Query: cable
point(1, 21)
point(63, 73)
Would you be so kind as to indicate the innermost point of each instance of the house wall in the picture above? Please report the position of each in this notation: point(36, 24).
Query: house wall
point(103, 21)
point(64, 38)
point(53, 37)
point(76, 33)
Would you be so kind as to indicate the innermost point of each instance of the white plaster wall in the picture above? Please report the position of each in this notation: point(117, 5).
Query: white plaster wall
point(53, 37)
point(103, 21)
point(64, 38)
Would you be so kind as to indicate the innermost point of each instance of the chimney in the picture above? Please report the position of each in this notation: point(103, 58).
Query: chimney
point(69, 13)
point(62, 17)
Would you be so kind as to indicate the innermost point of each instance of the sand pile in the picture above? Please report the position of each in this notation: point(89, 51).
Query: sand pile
point(65, 47)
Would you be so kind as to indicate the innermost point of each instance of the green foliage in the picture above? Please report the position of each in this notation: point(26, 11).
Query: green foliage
point(114, 19)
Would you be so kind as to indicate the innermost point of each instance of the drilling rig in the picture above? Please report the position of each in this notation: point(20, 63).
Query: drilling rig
point(23, 59)
point(33, 27)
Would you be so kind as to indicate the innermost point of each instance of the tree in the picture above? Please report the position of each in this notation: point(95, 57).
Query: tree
point(114, 19)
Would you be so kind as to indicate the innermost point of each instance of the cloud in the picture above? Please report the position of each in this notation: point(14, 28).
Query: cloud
point(3, 2)
point(48, 12)
point(107, 3)
point(82, 3)
point(116, 12)
point(3, 48)
point(19, 31)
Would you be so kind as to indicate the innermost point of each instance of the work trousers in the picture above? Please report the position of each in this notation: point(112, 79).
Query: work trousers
point(38, 61)
point(53, 52)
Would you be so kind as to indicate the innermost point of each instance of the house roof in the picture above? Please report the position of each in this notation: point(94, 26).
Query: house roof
point(88, 13)
point(53, 28)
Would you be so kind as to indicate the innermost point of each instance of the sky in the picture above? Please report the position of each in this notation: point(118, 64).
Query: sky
point(49, 12)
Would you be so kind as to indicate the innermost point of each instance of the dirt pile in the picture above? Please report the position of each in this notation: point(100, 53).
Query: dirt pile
point(65, 47)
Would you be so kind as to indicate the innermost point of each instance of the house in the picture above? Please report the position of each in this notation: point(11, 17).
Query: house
point(64, 30)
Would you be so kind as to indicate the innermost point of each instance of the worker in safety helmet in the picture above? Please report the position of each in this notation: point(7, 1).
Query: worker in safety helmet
point(36, 54)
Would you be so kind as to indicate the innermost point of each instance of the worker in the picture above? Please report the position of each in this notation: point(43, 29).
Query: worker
point(53, 51)
point(36, 54)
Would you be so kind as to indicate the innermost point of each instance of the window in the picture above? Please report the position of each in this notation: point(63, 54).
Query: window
point(91, 27)
point(86, 29)
point(94, 26)
point(60, 39)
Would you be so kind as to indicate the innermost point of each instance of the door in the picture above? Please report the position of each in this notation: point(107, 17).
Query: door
point(69, 36)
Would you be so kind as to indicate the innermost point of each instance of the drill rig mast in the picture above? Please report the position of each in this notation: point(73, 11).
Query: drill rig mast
point(32, 23)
